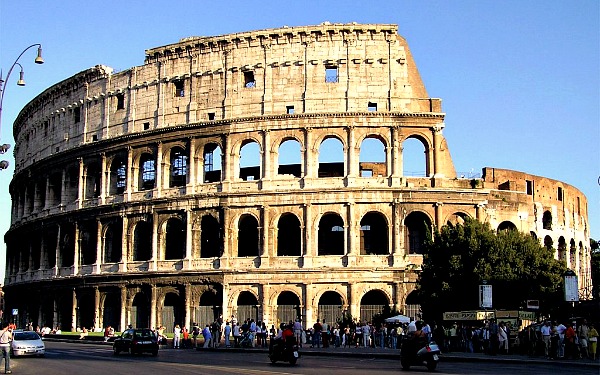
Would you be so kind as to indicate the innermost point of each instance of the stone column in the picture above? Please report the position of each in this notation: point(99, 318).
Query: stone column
point(437, 138)
point(47, 195)
point(187, 291)
point(350, 232)
point(188, 240)
point(63, 189)
point(396, 232)
point(81, 185)
point(154, 260)
point(267, 172)
point(264, 248)
point(124, 244)
point(351, 157)
point(439, 214)
point(312, 165)
point(309, 250)
point(77, 247)
point(74, 312)
point(192, 165)
point(159, 169)
point(130, 174)
point(55, 311)
point(103, 178)
point(97, 322)
point(99, 242)
point(309, 307)
point(124, 319)
point(153, 305)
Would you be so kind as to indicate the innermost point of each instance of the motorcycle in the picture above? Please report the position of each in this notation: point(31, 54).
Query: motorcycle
point(284, 351)
point(413, 354)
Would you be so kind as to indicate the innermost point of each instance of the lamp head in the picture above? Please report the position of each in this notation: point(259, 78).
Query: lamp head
point(3, 164)
point(39, 59)
point(3, 148)
point(21, 81)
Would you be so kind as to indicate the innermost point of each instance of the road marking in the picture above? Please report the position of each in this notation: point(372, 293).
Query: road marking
point(239, 370)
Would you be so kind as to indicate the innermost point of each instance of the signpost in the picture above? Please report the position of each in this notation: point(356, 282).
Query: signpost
point(571, 287)
point(485, 296)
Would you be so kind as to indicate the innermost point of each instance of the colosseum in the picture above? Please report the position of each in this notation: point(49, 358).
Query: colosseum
point(228, 175)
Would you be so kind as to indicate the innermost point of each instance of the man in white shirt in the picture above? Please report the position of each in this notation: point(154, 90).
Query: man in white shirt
point(546, 330)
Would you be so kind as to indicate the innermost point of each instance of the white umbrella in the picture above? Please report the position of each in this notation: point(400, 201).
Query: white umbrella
point(398, 319)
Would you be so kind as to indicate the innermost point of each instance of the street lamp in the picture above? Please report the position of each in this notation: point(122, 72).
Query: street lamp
point(20, 82)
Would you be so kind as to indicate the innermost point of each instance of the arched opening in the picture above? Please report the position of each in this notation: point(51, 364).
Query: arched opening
point(372, 303)
point(210, 237)
point(85, 310)
point(92, 181)
point(331, 235)
point(562, 249)
point(372, 158)
point(330, 307)
point(67, 245)
point(548, 242)
point(373, 234)
point(111, 312)
point(118, 176)
point(457, 218)
point(248, 237)
point(288, 307)
point(418, 227)
point(113, 238)
point(212, 163)
point(506, 225)
point(412, 306)
point(289, 158)
point(179, 167)
point(147, 175)
point(250, 161)
point(36, 250)
point(50, 235)
point(289, 236)
point(331, 158)
point(209, 308)
point(415, 157)
point(172, 312)
point(142, 241)
point(55, 189)
point(533, 235)
point(572, 255)
point(88, 236)
point(547, 220)
point(140, 311)
point(175, 239)
point(247, 306)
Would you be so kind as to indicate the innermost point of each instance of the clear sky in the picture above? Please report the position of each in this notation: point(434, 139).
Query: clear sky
point(519, 80)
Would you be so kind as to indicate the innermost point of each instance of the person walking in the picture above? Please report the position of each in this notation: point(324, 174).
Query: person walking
point(227, 331)
point(176, 336)
point(207, 336)
point(593, 341)
point(6, 338)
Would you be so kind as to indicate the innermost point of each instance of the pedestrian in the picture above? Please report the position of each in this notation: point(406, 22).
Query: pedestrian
point(236, 334)
point(298, 331)
point(593, 341)
point(5, 340)
point(176, 336)
point(207, 336)
point(195, 334)
point(583, 334)
point(316, 337)
point(227, 331)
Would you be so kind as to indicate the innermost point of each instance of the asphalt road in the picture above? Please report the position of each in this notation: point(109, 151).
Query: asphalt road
point(71, 359)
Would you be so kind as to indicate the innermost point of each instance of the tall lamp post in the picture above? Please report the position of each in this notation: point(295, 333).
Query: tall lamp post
point(20, 82)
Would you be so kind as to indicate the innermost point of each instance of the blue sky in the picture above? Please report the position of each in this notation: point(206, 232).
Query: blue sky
point(519, 80)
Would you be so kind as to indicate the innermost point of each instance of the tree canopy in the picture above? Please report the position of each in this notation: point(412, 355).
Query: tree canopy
point(458, 258)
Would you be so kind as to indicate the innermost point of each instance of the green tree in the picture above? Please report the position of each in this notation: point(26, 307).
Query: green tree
point(458, 258)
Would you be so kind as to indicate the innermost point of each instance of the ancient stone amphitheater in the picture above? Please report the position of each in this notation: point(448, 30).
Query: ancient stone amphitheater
point(225, 176)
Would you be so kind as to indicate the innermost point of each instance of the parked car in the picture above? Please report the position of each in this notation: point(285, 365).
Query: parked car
point(27, 343)
point(136, 341)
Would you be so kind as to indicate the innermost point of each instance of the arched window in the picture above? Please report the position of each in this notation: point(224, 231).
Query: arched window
point(178, 167)
point(147, 172)
point(418, 226)
point(289, 236)
point(331, 235)
point(142, 241)
point(547, 220)
point(415, 157)
point(248, 237)
point(175, 237)
point(118, 176)
point(373, 234)
point(210, 237)
point(331, 158)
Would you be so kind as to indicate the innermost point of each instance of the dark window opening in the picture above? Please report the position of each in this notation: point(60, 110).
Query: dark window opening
point(121, 178)
point(248, 245)
point(88, 234)
point(560, 194)
point(112, 243)
point(373, 235)
point(94, 138)
point(529, 187)
point(76, 115)
point(547, 220)
point(249, 81)
point(148, 173)
point(372, 107)
point(179, 89)
point(331, 74)
point(289, 236)
point(146, 125)
point(210, 237)
point(175, 239)
point(211, 116)
point(142, 241)
point(418, 226)
point(120, 101)
point(331, 235)
point(178, 167)
point(289, 109)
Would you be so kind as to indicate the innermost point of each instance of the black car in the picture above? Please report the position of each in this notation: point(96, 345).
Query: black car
point(136, 340)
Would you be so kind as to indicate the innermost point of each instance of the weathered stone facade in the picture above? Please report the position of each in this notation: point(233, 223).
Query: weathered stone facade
point(131, 203)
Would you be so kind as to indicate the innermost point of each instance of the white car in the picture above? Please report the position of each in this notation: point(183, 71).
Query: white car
point(27, 343)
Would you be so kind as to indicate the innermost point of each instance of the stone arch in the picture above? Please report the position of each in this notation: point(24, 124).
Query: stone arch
point(562, 249)
point(413, 164)
point(288, 307)
point(112, 241)
point(374, 234)
point(249, 159)
point(330, 307)
point(93, 180)
point(289, 156)
point(328, 150)
point(173, 244)
point(247, 306)
point(412, 305)
point(85, 309)
point(506, 225)
point(331, 235)
point(572, 255)
point(373, 154)
point(140, 310)
point(111, 310)
point(289, 235)
point(547, 220)
point(171, 309)
point(418, 225)
point(211, 240)
point(371, 303)
point(178, 166)
point(117, 181)
point(209, 306)
point(457, 217)
point(548, 242)
point(533, 235)
point(142, 241)
point(88, 241)
point(248, 236)
point(212, 162)
point(147, 172)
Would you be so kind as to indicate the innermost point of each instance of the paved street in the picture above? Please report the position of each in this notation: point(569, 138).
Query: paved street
point(74, 358)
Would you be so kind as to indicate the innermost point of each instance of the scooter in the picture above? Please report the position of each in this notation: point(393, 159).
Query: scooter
point(285, 352)
point(428, 355)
